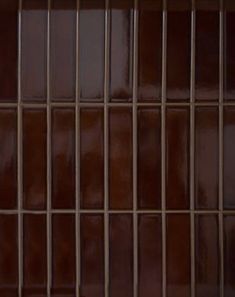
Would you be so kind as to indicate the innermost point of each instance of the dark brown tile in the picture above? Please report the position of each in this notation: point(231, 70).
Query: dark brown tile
point(34, 158)
point(63, 158)
point(177, 158)
point(149, 158)
point(121, 45)
point(206, 157)
point(121, 256)
point(8, 256)
point(120, 158)
point(229, 160)
point(150, 256)
point(8, 158)
point(63, 255)
point(34, 50)
point(92, 34)
point(63, 50)
point(92, 158)
point(207, 50)
point(92, 255)
point(150, 50)
point(178, 255)
point(207, 256)
point(8, 50)
point(178, 53)
point(34, 255)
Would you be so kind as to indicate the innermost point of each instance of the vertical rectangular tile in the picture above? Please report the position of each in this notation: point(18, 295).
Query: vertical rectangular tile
point(92, 158)
point(206, 157)
point(178, 49)
point(121, 256)
point(178, 255)
point(207, 50)
point(8, 158)
point(120, 158)
point(207, 267)
point(177, 158)
point(8, 256)
point(121, 46)
point(8, 49)
point(63, 255)
point(63, 158)
point(34, 50)
point(229, 160)
point(91, 62)
point(149, 158)
point(150, 256)
point(34, 158)
point(92, 255)
point(63, 49)
point(150, 50)
point(34, 255)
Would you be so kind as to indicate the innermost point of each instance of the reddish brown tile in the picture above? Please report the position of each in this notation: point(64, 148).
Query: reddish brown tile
point(92, 158)
point(149, 158)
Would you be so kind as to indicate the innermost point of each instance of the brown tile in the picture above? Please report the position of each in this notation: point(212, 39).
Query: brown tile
point(150, 256)
point(8, 50)
point(150, 50)
point(92, 158)
point(92, 255)
point(34, 50)
point(178, 53)
point(34, 158)
point(206, 157)
point(91, 62)
point(63, 158)
point(207, 50)
point(63, 50)
point(8, 158)
point(63, 255)
point(149, 158)
point(120, 158)
point(34, 255)
point(207, 256)
point(8, 256)
point(121, 256)
point(121, 45)
point(177, 158)
point(178, 255)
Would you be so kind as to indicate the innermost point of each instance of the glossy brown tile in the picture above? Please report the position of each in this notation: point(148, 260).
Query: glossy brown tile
point(149, 158)
point(178, 53)
point(92, 255)
point(34, 255)
point(63, 255)
point(206, 157)
point(121, 46)
point(8, 158)
point(8, 50)
point(63, 158)
point(120, 158)
point(177, 158)
point(121, 256)
point(63, 50)
point(229, 161)
point(8, 256)
point(92, 158)
point(150, 50)
point(178, 255)
point(34, 158)
point(91, 47)
point(34, 50)
point(150, 256)
point(207, 50)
